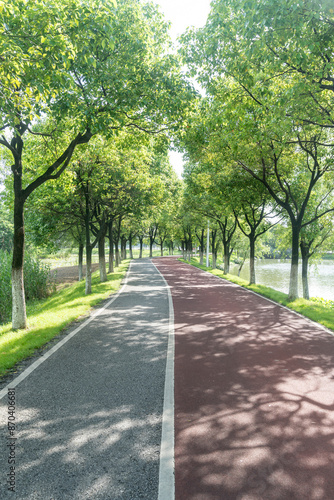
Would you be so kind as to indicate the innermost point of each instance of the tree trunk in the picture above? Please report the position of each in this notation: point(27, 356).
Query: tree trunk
point(161, 248)
point(213, 249)
point(201, 257)
point(141, 247)
point(293, 286)
point(117, 255)
point(80, 258)
point(111, 248)
point(214, 261)
point(251, 260)
point(89, 245)
point(306, 293)
point(117, 236)
point(188, 245)
point(151, 246)
point(123, 247)
point(88, 288)
point(130, 246)
point(241, 263)
point(19, 315)
point(226, 257)
point(102, 259)
point(305, 251)
point(201, 239)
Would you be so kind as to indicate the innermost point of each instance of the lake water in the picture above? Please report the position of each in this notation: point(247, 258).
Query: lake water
point(276, 273)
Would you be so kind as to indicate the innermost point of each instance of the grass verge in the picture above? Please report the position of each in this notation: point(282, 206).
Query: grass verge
point(48, 317)
point(320, 312)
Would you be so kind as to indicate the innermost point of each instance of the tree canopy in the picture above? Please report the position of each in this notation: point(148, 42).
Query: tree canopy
point(95, 89)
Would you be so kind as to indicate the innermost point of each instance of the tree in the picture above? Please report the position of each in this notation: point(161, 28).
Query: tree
point(94, 217)
point(253, 210)
point(291, 171)
point(208, 194)
point(288, 158)
point(54, 217)
point(267, 67)
point(312, 239)
point(255, 41)
point(90, 67)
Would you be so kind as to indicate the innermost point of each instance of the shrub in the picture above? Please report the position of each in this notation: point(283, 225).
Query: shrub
point(325, 302)
point(5, 285)
point(38, 282)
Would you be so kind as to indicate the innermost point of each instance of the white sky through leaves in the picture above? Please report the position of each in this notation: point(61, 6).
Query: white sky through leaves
point(183, 13)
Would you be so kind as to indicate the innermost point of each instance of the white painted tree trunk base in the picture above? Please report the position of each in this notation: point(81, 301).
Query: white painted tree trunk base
point(19, 316)
point(103, 270)
point(293, 286)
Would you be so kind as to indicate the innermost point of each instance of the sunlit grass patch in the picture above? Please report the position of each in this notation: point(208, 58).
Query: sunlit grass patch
point(48, 317)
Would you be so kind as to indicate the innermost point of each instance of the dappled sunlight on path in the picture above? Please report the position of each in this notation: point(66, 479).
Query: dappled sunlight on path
point(89, 418)
point(254, 394)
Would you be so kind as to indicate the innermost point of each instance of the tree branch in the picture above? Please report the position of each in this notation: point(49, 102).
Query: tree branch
point(61, 162)
point(41, 133)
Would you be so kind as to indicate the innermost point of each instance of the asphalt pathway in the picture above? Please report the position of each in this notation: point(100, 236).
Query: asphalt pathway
point(254, 399)
point(254, 394)
point(88, 420)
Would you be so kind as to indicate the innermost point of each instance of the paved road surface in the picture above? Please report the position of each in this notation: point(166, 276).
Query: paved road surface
point(254, 399)
point(254, 395)
point(89, 418)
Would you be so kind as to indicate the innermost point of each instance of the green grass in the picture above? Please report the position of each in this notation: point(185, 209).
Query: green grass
point(318, 310)
point(48, 317)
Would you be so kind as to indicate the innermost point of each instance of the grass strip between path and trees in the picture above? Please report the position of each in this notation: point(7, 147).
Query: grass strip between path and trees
point(320, 311)
point(48, 317)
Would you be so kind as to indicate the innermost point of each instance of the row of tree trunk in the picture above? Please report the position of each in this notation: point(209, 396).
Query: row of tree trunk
point(225, 237)
point(117, 248)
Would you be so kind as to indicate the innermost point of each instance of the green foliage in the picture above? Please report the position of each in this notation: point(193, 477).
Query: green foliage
point(325, 302)
point(5, 285)
point(38, 279)
point(42, 45)
point(276, 243)
point(103, 64)
point(38, 282)
point(71, 70)
point(6, 230)
point(268, 74)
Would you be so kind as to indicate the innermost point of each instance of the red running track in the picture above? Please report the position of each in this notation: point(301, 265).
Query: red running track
point(254, 394)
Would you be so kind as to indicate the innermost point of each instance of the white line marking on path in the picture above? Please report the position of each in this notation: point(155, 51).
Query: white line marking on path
point(55, 348)
point(166, 469)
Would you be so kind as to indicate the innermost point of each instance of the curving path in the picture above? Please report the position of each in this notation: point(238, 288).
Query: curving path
point(254, 394)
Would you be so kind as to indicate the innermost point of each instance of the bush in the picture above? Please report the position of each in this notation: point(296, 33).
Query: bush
point(5, 285)
point(324, 302)
point(38, 282)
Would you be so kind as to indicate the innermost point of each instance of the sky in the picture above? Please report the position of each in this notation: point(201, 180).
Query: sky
point(183, 13)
